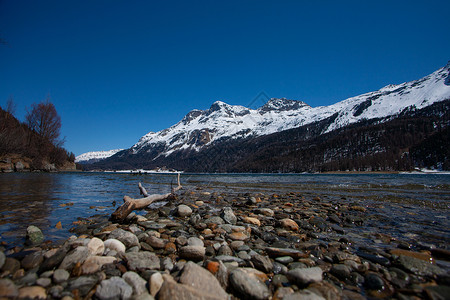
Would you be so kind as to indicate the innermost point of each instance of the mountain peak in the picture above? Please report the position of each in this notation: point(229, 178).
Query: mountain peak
point(282, 104)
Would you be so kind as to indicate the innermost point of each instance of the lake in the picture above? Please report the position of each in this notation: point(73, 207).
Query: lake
point(408, 206)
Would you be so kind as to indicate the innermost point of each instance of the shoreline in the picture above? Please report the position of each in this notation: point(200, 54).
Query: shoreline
point(249, 245)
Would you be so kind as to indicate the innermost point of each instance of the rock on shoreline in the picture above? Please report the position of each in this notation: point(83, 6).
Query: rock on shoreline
point(218, 246)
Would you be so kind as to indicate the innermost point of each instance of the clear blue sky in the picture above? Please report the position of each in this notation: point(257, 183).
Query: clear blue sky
point(116, 70)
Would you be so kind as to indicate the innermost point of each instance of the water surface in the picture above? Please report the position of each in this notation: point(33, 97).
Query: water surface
point(407, 206)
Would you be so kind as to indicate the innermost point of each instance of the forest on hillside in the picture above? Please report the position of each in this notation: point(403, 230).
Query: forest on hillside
point(35, 141)
point(413, 139)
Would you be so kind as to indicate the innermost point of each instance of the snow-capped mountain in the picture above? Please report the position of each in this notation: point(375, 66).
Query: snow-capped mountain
point(91, 157)
point(221, 121)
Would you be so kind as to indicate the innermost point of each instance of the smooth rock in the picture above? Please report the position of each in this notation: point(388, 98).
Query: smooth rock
point(155, 242)
point(262, 263)
point(228, 215)
point(419, 266)
point(60, 276)
point(341, 271)
point(214, 220)
point(2, 259)
point(83, 284)
point(173, 290)
point(142, 260)
point(284, 260)
point(32, 292)
point(114, 288)
point(113, 244)
point(305, 276)
point(253, 221)
point(44, 282)
point(195, 253)
point(54, 260)
point(32, 260)
point(184, 211)
point(96, 246)
point(126, 237)
point(195, 241)
point(155, 283)
point(199, 278)
point(277, 252)
point(78, 255)
point(289, 224)
point(373, 282)
point(246, 286)
point(93, 264)
point(136, 282)
point(225, 250)
point(303, 295)
point(8, 289)
point(11, 266)
point(265, 211)
point(34, 235)
point(238, 236)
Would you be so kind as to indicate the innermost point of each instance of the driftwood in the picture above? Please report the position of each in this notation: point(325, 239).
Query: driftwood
point(131, 204)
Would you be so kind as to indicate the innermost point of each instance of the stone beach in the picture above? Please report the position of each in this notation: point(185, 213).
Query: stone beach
point(212, 245)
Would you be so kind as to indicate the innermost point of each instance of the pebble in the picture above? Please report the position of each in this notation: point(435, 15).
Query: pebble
point(32, 292)
point(247, 286)
point(114, 288)
point(199, 278)
point(60, 276)
point(184, 211)
point(289, 224)
point(305, 276)
point(142, 260)
point(195, 253)
point(8, 289)
point(34, 235)
point(2, 259)
point(228, 215)
point(155, 283)
point(113, 244)
point(275, 247)
point(126, 237)
point(136, 282)
point(78, 255)
point(96, 246)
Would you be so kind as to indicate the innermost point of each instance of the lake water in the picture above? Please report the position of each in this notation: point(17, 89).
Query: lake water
point(408, 206)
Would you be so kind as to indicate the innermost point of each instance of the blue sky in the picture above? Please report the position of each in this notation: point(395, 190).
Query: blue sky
point(116, 70)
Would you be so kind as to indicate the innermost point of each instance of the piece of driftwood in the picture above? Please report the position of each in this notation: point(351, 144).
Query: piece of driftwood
point(131, 204)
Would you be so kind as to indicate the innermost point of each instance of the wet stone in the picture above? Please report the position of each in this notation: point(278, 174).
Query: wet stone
point(34, 235)
point(305, 276)
point(418, 266)
point(32, 260)
point(341, 271)
point(373, 282)
point(11, 265)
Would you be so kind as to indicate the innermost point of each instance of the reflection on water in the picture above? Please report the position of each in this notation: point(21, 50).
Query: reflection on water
point(403, 205)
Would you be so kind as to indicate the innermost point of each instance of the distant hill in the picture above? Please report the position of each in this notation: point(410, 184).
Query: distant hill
point(389, 129)
point(22, 149)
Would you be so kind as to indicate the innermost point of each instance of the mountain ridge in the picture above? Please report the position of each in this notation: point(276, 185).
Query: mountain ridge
point(200, 129)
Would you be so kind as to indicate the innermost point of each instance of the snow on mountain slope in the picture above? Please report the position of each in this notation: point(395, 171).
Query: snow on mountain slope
point(95, 156)
point(202, 127)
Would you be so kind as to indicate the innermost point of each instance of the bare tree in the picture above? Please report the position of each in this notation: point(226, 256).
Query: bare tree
point(11, 106)
point(45, 121)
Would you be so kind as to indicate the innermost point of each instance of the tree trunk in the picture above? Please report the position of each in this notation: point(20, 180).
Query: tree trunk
point(131, 204)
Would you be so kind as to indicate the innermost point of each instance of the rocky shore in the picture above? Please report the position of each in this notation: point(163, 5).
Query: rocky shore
point(217, 246)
